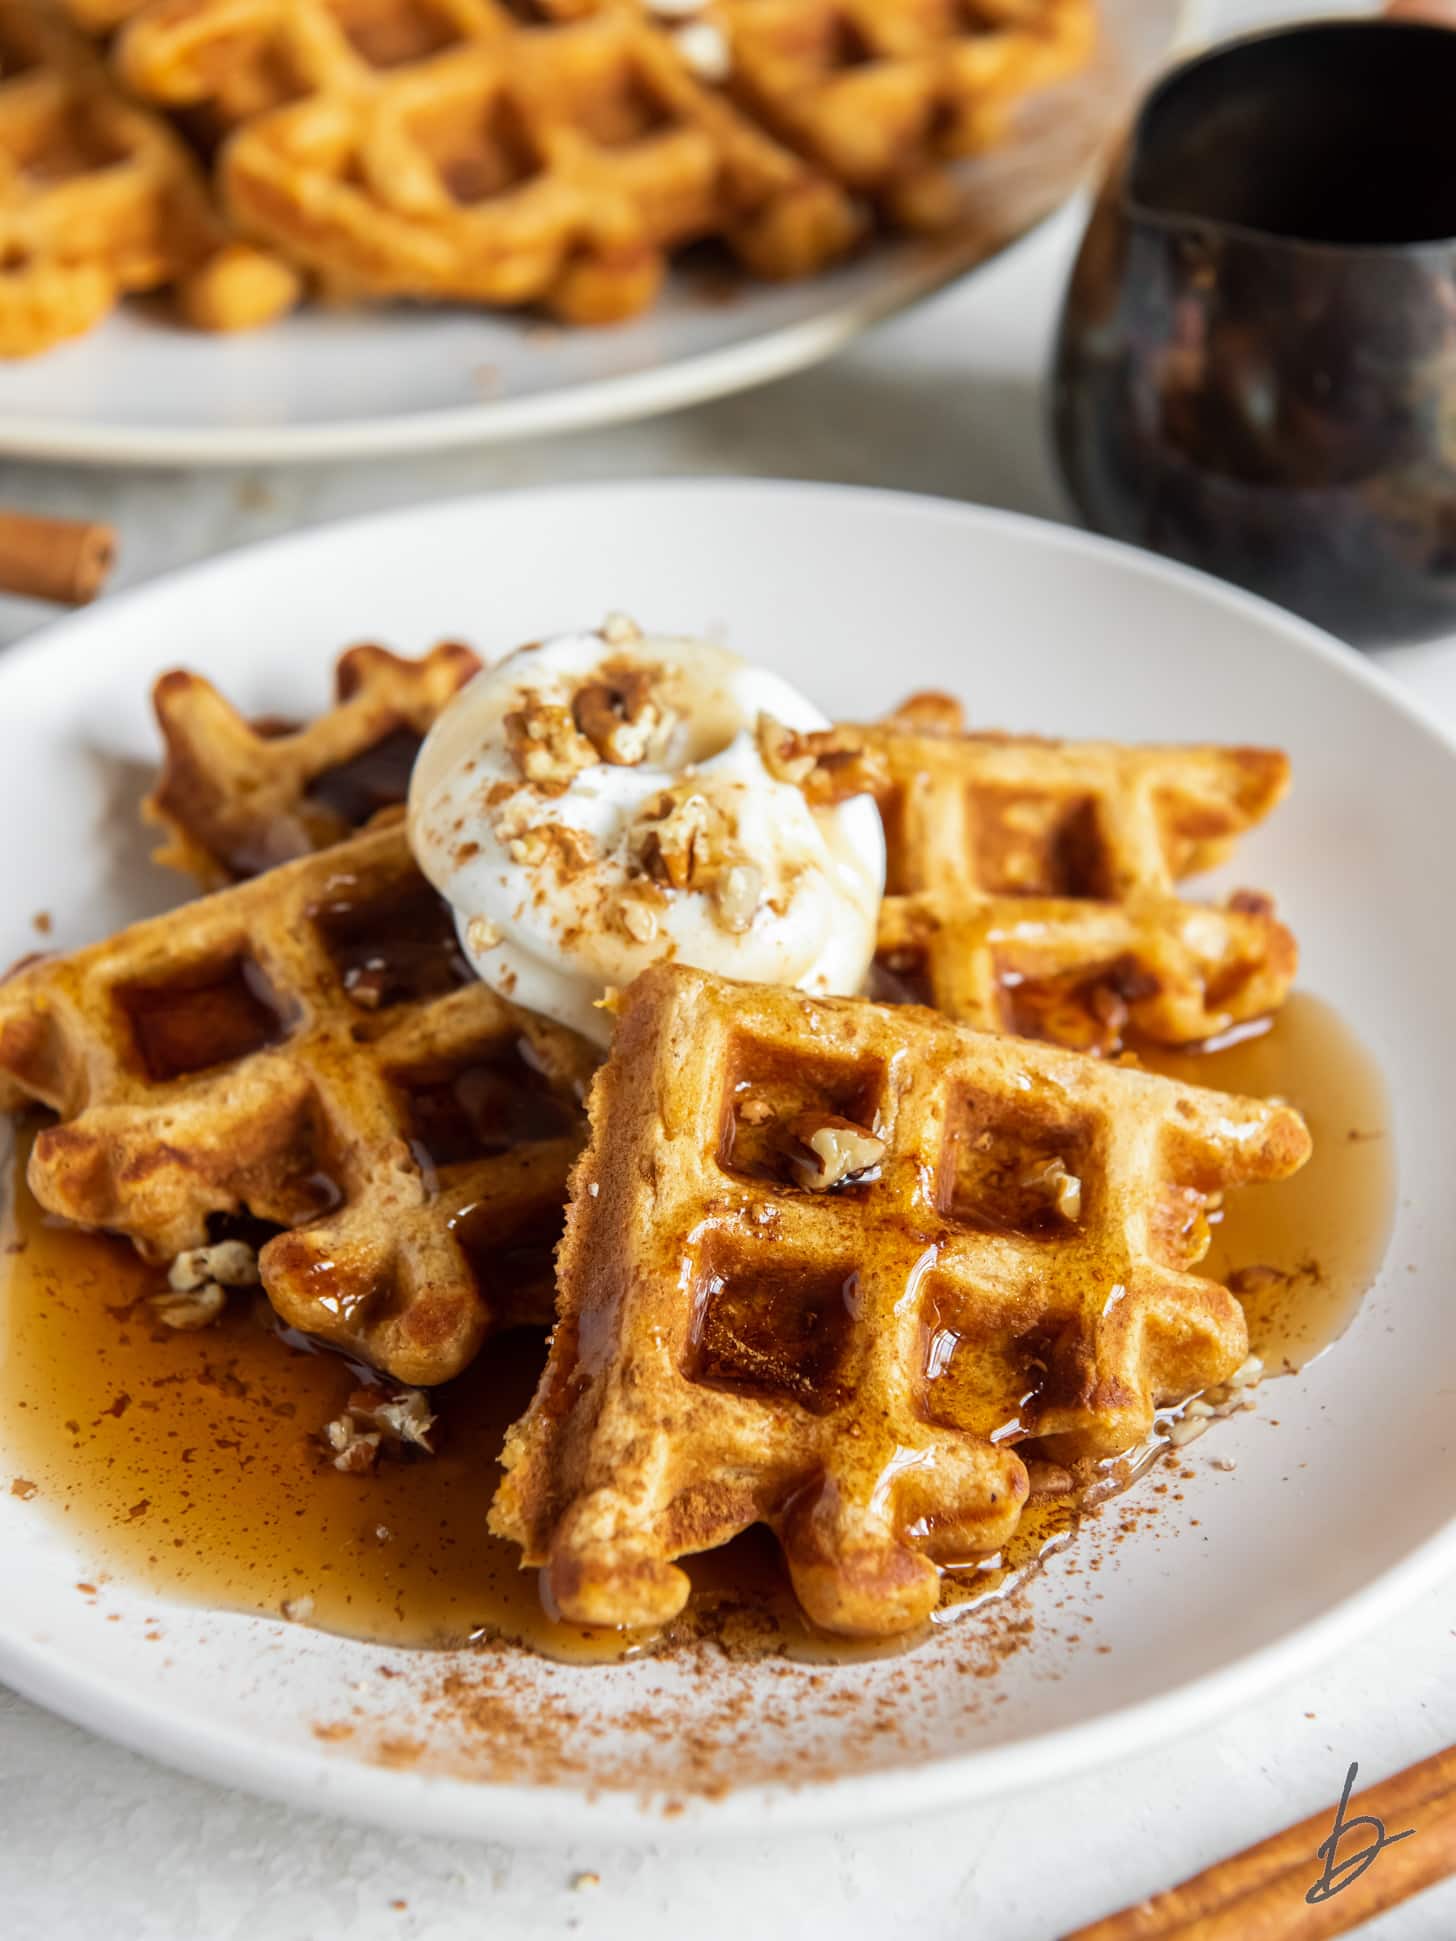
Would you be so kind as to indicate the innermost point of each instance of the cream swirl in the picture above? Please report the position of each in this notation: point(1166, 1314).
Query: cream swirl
point(597, 803)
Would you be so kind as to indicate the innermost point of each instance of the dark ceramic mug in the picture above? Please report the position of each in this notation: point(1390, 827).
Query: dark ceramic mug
point(1256, 363)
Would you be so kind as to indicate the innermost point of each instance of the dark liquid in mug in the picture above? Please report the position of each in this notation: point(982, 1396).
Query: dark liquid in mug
point(1347, 139)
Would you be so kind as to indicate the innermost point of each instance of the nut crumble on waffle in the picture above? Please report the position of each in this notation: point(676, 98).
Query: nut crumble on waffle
point(309, 1049)
point(827, 1263)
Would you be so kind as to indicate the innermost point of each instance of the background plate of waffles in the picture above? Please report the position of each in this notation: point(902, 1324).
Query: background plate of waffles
point(239, 234)
point(225, 1544)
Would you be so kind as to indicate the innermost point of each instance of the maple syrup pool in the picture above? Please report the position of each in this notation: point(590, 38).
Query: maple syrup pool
point(192, 1463)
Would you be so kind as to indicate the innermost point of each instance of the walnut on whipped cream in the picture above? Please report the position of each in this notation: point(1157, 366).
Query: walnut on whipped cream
point(547, 746)
point(737, 893)
point(624, 715)
point(681, 839)
point(669, 839)
point(636, 914)
point(687, 841)
point(568, 850)
point(620, 715)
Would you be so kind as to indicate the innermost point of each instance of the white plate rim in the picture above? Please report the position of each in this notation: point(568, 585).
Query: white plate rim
point(583, 406)
point(387, 1797)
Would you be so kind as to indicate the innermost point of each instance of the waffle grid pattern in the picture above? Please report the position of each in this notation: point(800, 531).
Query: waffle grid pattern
point(855, 1367)
point(556, 151)
point(236, 796)
point(307, 1049)
point(1030, 884)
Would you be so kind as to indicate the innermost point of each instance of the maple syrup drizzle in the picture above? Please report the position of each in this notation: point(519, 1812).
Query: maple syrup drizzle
point(192, 1462)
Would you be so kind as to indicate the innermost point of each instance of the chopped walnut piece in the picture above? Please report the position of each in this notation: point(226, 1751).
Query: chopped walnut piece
point(356, 1450)
point(755, 1112)
point(232, 1262)
point(1063, 1190)
point(830, 765)
point(620, 630)
point(782, 751)
point(374, 1419)
point(637, 918)
point(836, 1152)
point(680, 840)
point(189, 1310)
point(571, 850)
point(407, 1417)
point(621, 714)
point(195, 1294)
point(737, 894)
point(546, 744)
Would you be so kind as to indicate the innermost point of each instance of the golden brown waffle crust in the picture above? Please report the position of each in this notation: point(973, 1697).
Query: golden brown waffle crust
point(317, 1111)
point(638, 1447)
point(235, 798)
point(1031, 884)
point(100, 196)
point(485, 152)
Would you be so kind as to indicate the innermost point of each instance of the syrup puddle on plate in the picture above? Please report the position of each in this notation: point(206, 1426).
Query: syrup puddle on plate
point(192, 1462)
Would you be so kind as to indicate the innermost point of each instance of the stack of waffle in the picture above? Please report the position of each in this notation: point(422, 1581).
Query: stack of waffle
point(496, 152)
point(832, 1265)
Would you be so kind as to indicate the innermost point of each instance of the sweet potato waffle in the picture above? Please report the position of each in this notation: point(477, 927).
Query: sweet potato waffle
point(1030, 884)
point(883, 94)
point(100, 197)
point(239, 796)
point(558, 167)
point(310, 1049)
point(556, 152)
point(826, 1262)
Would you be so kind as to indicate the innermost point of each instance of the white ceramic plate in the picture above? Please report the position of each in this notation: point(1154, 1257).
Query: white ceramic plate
point(335, 384)
point(1330, 1519)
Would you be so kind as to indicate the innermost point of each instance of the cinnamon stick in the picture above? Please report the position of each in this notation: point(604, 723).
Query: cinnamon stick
point(1262, 1894)
point(65, 560)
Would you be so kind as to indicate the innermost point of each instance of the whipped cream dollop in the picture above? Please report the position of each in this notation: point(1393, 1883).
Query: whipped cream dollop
point(600, 802)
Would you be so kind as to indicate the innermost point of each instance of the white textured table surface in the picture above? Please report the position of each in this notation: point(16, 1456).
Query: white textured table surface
point(97, 1842)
